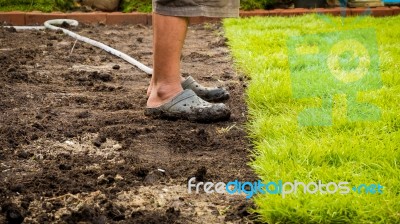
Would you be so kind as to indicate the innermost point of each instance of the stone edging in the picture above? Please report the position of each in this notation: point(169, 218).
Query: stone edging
point(118, 18)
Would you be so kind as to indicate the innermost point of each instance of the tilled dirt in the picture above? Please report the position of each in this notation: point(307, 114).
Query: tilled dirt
point(76, 147)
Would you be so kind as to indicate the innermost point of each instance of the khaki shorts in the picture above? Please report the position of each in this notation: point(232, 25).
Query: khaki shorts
point(190, 8)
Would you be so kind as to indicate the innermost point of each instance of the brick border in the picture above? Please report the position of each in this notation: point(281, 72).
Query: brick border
point(396, 10)
point(14, 18)
point(119, 18)
point(38, 18)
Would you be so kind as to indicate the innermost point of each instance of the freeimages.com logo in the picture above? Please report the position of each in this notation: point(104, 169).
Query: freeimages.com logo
point(281, 188)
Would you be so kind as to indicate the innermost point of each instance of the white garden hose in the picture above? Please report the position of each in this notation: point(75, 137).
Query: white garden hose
point(50, 24)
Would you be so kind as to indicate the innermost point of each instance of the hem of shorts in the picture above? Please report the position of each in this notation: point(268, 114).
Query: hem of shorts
point(196, 11)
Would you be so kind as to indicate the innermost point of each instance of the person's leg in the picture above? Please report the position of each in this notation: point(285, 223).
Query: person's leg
point(167, 99)
point(168, 38)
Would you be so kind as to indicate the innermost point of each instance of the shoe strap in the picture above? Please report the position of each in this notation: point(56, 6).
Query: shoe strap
point(188, 81)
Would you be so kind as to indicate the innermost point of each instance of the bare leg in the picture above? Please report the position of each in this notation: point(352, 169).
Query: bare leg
point(168, 38)
point(151, 86)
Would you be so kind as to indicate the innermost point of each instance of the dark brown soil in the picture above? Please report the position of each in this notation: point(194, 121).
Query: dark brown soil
point(76, 147)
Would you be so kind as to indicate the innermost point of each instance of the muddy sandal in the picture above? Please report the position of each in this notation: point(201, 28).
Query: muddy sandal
point(188, 106)
point(210, 94)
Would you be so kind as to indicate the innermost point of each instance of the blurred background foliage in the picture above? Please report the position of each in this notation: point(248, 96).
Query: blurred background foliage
point(124, 5)
point(40, 5)
point(135, 5)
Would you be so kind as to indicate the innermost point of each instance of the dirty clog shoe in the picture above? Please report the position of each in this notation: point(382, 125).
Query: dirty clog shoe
point(188, 106)
point(210, 94)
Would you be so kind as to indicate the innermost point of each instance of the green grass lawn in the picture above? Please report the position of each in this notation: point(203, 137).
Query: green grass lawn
point(343, 141)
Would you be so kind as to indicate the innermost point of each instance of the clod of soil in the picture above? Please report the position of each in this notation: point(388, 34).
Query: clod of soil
point(12, 213)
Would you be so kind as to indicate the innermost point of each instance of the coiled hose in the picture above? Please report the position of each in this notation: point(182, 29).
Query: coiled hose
point(52, 25)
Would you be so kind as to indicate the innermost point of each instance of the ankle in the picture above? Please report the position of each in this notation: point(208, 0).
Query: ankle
point(150, 88)
point(162, 93)
point(166, 91)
